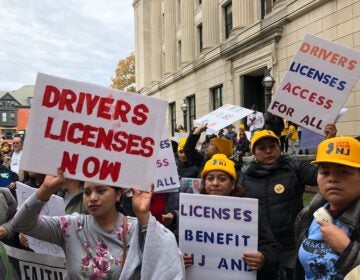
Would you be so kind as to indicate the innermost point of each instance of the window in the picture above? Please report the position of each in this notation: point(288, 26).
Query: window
point(217, 97)
point(266, 7)
point(7, 134)
point(191, 111)
point(3, 117)
point(172, 111)
point(199, 2)
point(200, 37)
point(12, 116)
point(228, 19)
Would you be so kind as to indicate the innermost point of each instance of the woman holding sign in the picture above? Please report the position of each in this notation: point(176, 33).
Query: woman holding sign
point(104, 244)
point(328, 230)
point(219, 177)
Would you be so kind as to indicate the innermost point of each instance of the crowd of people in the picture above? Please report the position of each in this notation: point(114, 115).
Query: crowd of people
point(108, 234)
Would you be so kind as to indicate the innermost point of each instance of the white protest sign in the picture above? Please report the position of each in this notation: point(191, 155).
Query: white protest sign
point(94, 133)
point(317, 84)
point(54, 207)
point(190, 185)
point(216, 231)
point(29, 265)
point(222, 117)
point(166, 176)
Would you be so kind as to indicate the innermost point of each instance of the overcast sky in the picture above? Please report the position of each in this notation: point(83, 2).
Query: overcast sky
point(76, 39)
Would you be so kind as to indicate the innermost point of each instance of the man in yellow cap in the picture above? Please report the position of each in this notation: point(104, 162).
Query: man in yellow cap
point(328, 230)
point(218, 145)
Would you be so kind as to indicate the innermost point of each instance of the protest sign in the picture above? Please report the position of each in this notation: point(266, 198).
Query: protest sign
point(93, 133)
point(317, 84)
point(190, 185)
point(216, 231)
point(222, 117)
point(54, 207)
point(20, 264)
point(166, 176)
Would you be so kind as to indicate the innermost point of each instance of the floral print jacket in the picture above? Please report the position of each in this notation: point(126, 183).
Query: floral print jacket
point(90, 252)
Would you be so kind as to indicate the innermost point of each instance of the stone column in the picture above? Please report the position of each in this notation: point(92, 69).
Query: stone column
point(242, 13)
point(156, 40)
point(187, 30)
point(170, 35)
point(210, 23)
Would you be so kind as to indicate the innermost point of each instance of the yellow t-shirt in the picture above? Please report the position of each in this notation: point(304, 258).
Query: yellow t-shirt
point(293, 133)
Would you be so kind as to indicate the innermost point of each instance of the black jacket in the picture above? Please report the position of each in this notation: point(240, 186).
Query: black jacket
point(269, 247)
point(280, 188)
point(187, 170)
point(192, 154)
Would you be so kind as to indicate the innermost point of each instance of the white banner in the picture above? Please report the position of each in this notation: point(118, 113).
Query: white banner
point(94, 133)
point(54, 207)
point(317, 84)
point(216, 231)
point(166, 176)
point(25, 265)
point(222, 117)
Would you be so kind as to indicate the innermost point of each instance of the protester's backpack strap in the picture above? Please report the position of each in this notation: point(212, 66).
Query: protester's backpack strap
point(125, 221)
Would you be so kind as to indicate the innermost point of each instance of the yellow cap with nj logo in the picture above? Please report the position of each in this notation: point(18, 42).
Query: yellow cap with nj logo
point(219, 162)
point(341, 150)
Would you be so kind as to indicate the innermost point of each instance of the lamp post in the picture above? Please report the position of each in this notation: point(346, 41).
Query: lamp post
point(267, 83)
point(184, 107)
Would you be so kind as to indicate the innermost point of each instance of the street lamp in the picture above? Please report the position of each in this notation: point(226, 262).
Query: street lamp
point(267, 83)
point(184, 107)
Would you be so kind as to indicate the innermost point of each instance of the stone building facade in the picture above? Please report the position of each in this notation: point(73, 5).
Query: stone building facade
point(214, 52)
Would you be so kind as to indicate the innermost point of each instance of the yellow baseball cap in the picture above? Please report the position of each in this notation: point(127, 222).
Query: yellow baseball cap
point(242, 126)
point(219, 162)
point(258, 135)
point(341, 150)
point(224, 145)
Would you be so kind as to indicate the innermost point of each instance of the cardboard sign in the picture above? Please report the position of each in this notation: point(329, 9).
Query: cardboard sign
point(222, 117)
point(216, 231)
point(317, 84)
point(54, 207)
point(94, 133)
point(20, 264)
point(166, 174)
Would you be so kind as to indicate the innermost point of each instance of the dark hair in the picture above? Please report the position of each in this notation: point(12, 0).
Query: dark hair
point(118, 203)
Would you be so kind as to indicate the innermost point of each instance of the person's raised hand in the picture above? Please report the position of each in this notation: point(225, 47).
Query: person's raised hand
point(141, 204)
point(200, 128)
point(50, 185)
point(330, 130)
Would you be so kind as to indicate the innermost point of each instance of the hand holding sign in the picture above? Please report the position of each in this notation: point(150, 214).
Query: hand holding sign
point(50, 185)
point(141, 204)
